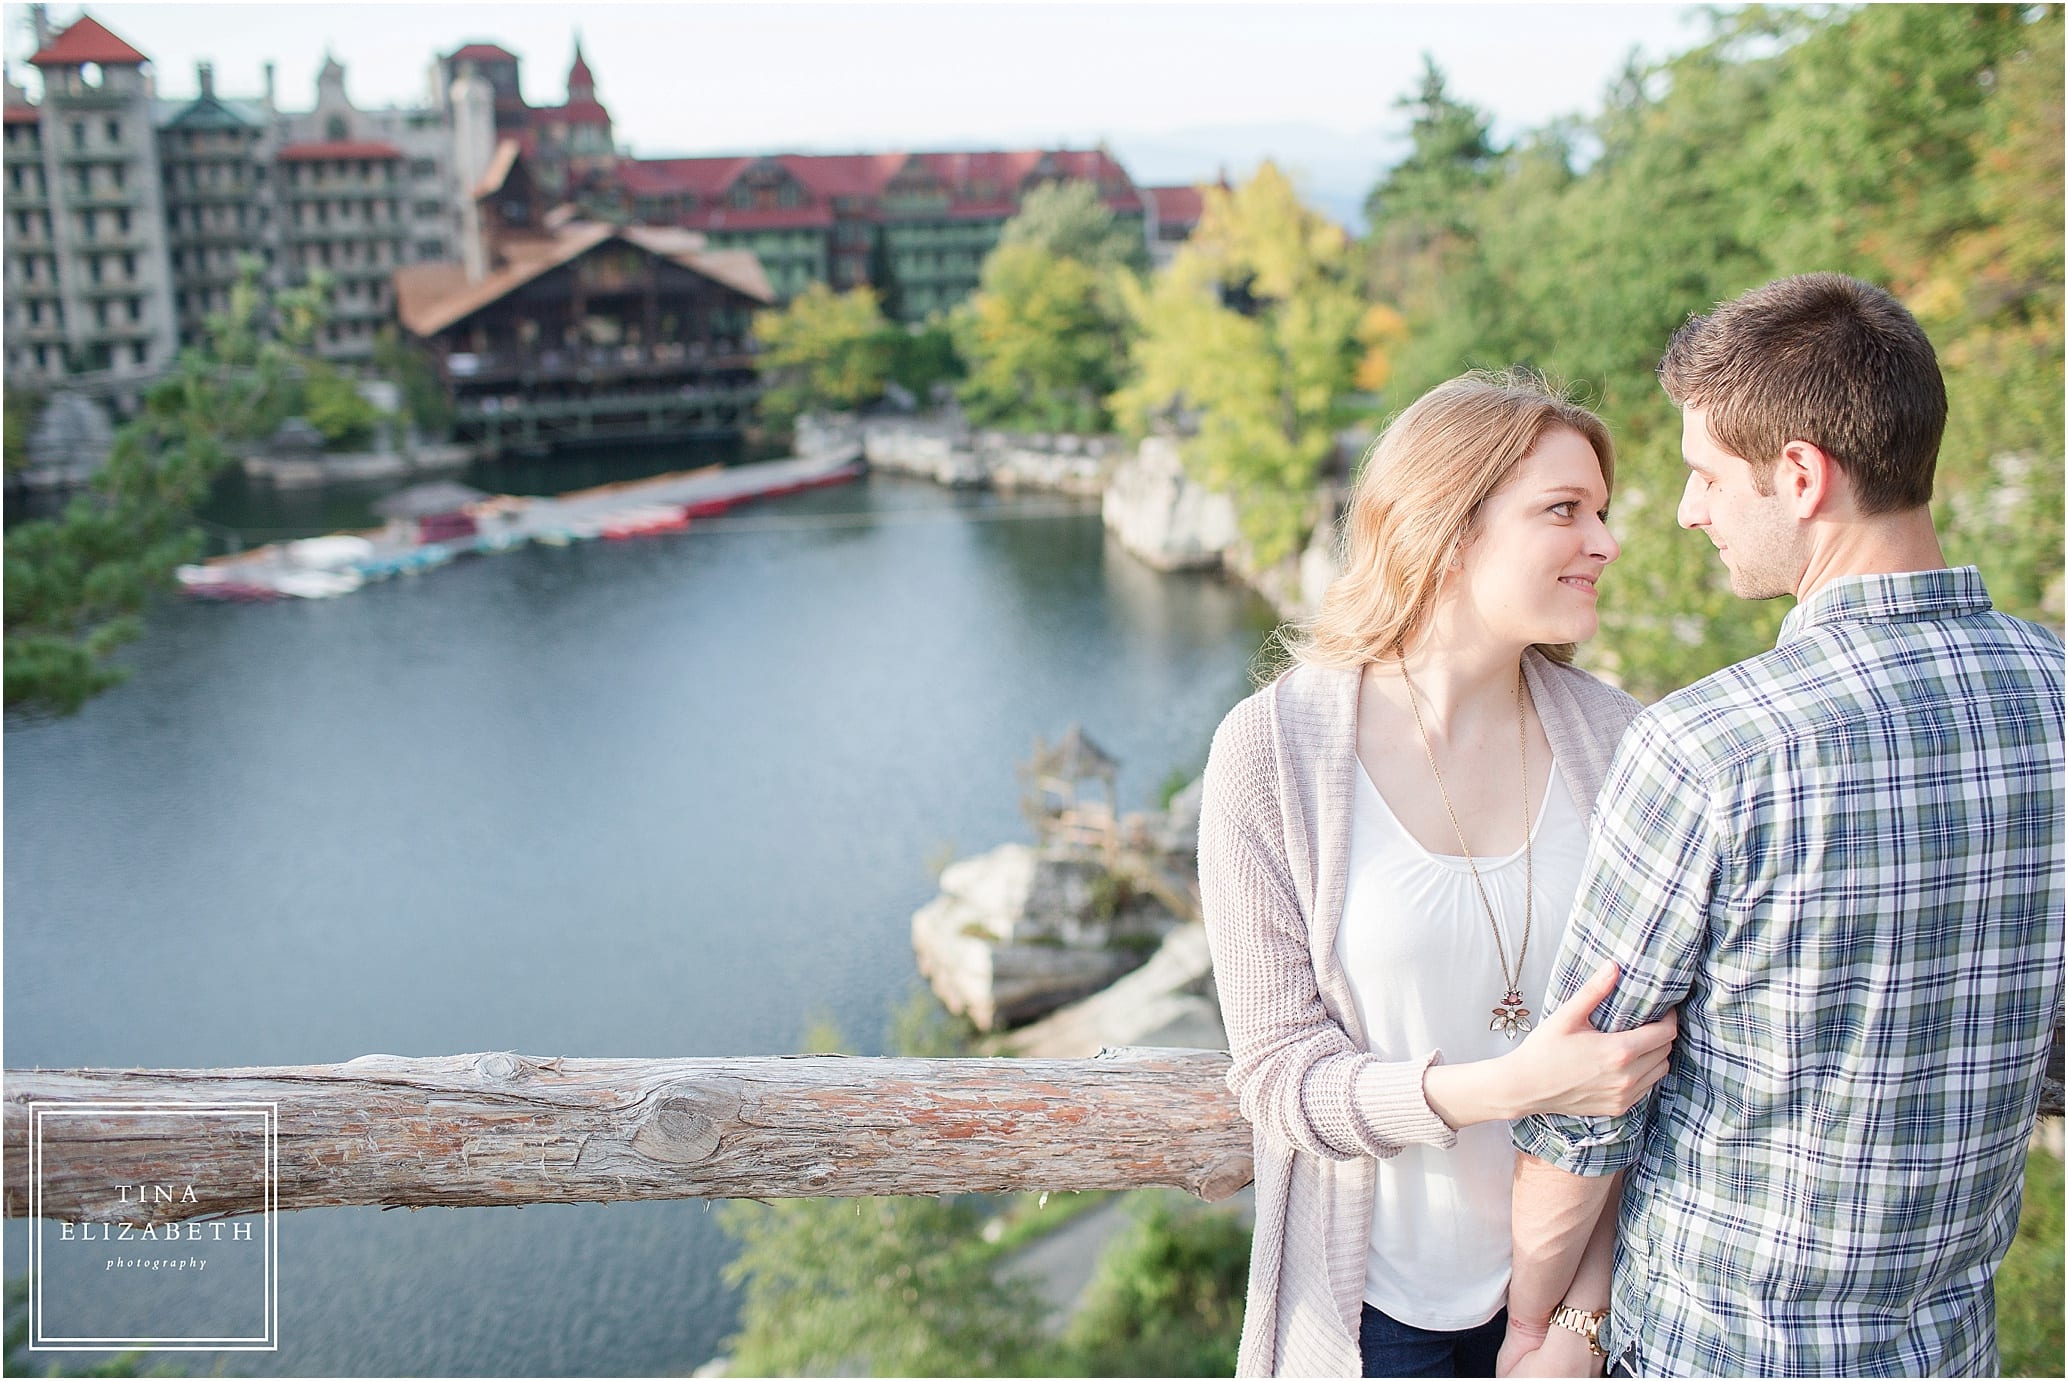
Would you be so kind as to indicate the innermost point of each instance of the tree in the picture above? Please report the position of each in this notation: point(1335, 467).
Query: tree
point(1450, 155)
point(334, 407)
point(1044, 334)
point(21, 409)
point(1167, 1298)
point(876, 1287)
point(825, 350)
point(882, 1286)
point(1043, 339)
point(77, 584)
point(1917, 147)
point(1252, 332)
point(1071, 221)
point(425, 403)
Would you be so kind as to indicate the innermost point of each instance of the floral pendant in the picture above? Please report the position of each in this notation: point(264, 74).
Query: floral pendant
point(1511, 1018)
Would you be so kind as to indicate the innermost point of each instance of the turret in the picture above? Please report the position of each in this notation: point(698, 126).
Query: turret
point(581, 85)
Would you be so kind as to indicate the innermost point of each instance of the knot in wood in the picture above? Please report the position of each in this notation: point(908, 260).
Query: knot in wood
point(499, 1065)
point(685, 1128)
point(1224, 1177)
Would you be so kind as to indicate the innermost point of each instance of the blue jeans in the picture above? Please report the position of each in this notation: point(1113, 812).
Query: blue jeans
point(1393, 1348)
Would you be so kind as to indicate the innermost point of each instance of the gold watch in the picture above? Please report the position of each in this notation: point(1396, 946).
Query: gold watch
point(1588, 1326)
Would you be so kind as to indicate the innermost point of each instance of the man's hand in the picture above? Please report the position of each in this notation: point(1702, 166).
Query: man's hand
point(1522, 1340)
point(1562, 1353)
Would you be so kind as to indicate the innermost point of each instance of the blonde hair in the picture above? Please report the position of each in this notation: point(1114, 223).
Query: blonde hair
point(1417, 500)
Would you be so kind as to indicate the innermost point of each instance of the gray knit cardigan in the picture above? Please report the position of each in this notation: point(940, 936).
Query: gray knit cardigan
point(1274, 846)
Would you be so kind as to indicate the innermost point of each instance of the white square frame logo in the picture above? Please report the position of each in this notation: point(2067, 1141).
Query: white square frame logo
point(266, 1341)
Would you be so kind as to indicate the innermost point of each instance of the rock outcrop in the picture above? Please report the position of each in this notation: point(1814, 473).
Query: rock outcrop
point(1169, 1001)
point(942, 447)
point(1020, 931)
point(1163, 516)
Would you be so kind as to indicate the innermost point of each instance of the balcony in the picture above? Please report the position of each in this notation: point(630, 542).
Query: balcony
point(594, 364)
point(348, 230)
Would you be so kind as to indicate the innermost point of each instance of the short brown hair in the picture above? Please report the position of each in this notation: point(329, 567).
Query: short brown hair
point(1821, 358)
point(1416, 503)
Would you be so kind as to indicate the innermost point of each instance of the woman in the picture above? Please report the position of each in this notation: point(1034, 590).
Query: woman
point(1390, 840)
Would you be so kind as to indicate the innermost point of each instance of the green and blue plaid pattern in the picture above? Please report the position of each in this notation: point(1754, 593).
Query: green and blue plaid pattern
point(1842, 861)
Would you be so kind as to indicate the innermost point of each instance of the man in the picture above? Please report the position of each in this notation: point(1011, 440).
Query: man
point(1841, 861)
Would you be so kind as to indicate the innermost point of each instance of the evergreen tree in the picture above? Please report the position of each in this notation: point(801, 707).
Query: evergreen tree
point(77, 584)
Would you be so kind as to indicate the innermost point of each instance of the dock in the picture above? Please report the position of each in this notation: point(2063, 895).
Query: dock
point(338, 564)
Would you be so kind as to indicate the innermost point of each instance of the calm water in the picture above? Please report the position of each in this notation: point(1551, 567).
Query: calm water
point(664, 798)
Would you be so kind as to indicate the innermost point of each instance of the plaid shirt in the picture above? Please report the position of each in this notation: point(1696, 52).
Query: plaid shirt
point(1842, 861)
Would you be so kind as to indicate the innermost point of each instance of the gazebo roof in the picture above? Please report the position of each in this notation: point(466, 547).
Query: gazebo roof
point(1074, 757)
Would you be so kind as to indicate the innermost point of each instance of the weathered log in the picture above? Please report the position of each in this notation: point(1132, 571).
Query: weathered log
point(503, 1129)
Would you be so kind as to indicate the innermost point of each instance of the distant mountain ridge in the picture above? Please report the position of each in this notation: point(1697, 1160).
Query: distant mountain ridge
point(1333, 170)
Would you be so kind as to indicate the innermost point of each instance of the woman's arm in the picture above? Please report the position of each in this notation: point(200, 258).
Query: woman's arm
point(1296, 1073)
point(1564, 1065)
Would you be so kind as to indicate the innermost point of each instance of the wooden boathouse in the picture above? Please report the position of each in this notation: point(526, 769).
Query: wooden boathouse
point(567, 332)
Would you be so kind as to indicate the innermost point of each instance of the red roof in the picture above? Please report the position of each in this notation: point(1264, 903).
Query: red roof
point(705, 177)
point(338, 148)
point(1176, 205)
point(867, 174)
point(574, 113)
point(481, 52)
point(88, 40)
point(578, 75)
point(23, 115)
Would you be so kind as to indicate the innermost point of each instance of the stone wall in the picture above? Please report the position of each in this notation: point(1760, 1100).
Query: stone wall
point(1149, 503)
point(944, 448)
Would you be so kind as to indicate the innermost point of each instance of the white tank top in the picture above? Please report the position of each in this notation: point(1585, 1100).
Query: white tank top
point(1419, 953)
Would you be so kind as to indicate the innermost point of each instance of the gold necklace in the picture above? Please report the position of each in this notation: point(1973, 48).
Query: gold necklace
point(1511, 1018)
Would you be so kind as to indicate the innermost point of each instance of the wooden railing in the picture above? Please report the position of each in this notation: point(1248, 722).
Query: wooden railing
point(499, 1129)
point(503, 1129)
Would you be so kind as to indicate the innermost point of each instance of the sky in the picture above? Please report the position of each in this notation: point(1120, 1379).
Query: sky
point(1178, 90)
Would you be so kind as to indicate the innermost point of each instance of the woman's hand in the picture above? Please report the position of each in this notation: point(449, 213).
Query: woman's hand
point(1517, 1343)
point(1566, 1066)
point(1562, 1353)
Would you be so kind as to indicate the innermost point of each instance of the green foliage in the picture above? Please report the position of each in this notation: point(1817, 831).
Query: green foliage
point(77, 584)
point(332, 403)
point(21, 1362)
point(1253, 330)
point(825, 350)
point(2029, 1283)
point(1043, 337)
point(1449, 157)
point(1168, 1295)
point(923, 1029)
point(1070, 221)
point(873, 1287)
point(922, 357)
point(425, 404)
point(1915, 146)
point(19, 412)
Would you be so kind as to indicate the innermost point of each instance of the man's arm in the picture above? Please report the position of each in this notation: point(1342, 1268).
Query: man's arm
point(1558, 1218)
point(1644, 898)
point(1537, 1264)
